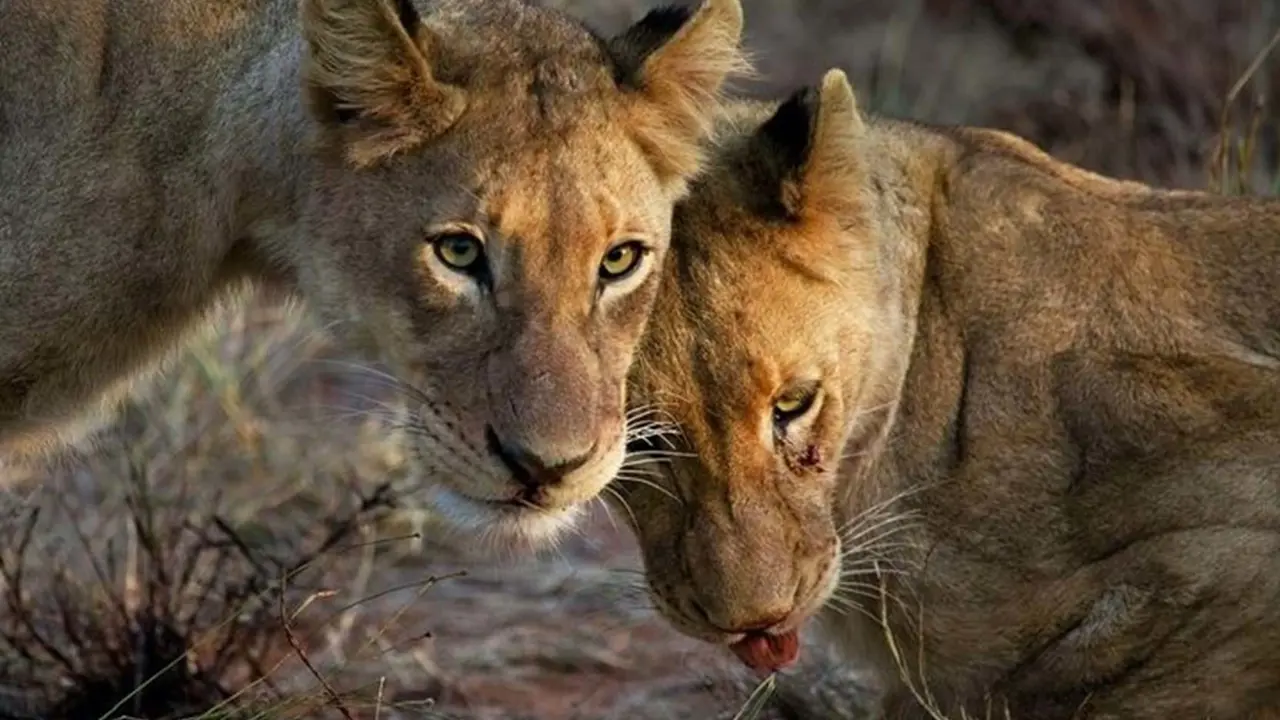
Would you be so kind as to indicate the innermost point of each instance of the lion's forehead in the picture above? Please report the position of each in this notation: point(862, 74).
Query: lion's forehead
point(503, 36)
point(518, 84)
point(755, 342)
point(567, 211)
point(536, 107)
point(558, 217)
point(557, 172)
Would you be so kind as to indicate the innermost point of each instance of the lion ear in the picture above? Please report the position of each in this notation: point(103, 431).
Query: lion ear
point(673, 64)
point(369, 78)
point(812, 147)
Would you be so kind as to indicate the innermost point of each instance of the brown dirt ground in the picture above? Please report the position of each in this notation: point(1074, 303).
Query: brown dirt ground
point(1134, 88)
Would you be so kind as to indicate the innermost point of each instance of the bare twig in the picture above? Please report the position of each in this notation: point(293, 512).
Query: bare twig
point(302, 655)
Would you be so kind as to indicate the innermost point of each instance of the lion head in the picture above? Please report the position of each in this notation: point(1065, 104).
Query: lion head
point(488, 213)
point(758, 352)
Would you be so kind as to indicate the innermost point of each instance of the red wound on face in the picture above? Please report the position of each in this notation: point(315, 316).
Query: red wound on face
point(804, 460)
point(766, 653)
point(811, 457)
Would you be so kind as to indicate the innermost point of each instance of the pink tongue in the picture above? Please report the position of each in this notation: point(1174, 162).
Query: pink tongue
point(767, 653)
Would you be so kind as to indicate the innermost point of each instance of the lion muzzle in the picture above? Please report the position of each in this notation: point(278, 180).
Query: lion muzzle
point(548, 420)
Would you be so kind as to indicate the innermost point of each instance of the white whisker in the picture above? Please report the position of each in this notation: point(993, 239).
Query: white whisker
point(878, 530)
point(608, 512)
point(641, 472)
point(844, 604)
point(622, 477)
point(613, 492)
point(650, 457)
point(885, 503)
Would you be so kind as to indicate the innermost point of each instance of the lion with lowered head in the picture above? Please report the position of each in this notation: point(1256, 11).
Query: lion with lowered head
point(1009, 429)
point(477, 193)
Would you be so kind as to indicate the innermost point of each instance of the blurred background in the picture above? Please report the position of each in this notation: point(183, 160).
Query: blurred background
point(234, 539)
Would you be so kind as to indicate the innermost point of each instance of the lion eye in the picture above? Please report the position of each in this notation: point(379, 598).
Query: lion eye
point(621, 260)
point(790, 407)
point(459, 250)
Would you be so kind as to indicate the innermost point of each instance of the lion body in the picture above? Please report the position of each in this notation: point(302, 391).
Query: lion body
point(1094, 388)
point(114, 237)
point(1047, 449)
point(157, 156)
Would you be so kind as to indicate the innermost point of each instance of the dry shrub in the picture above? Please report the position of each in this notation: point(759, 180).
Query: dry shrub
point(185, 616)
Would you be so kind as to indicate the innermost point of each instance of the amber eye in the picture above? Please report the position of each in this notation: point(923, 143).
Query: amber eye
point(792, 406)
point(459, 250)
point(621, 260)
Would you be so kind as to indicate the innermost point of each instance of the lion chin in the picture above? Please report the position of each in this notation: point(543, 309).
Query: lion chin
point(501, 526)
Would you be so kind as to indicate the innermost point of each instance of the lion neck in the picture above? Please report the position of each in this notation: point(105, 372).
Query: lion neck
point(905, 194)
point(903, 166)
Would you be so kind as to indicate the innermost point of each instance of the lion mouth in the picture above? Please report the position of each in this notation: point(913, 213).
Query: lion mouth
point(503, 522)
point(518, 504)
point(767, 653)
point(776, 647)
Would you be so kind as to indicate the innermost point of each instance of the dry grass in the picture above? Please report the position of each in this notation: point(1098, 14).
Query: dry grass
point(183, 617)
point(221, 552)
point(175, 568)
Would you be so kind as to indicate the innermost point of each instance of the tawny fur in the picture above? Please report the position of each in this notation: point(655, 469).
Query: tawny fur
point(158, 155)
point(1047, 441)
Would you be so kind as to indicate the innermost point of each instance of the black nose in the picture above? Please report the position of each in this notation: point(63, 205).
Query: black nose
point(529, 468)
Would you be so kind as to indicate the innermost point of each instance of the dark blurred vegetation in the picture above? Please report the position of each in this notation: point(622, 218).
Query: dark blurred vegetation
point(1131, 88)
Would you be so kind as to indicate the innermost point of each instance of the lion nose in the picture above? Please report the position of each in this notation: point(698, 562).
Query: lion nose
point(531, 469)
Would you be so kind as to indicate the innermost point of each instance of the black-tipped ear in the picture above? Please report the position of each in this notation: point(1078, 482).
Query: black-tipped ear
point(672, 66)
point(410, 20)
point(781, 147)
point(809, 151)
point(630, 49)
